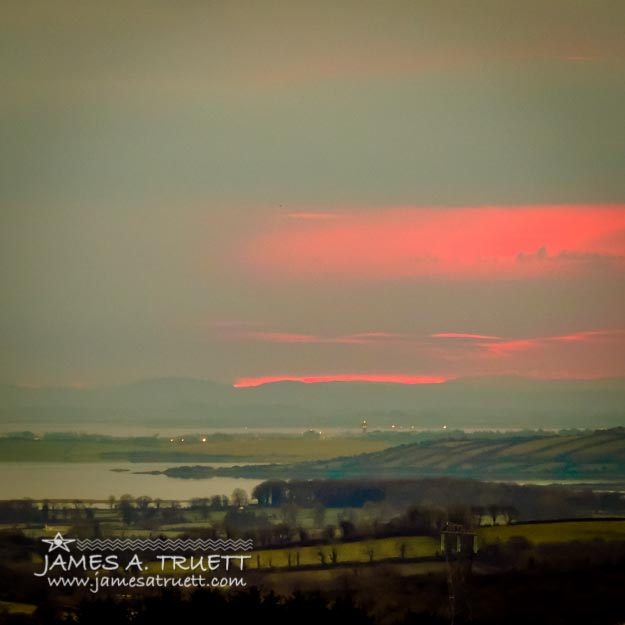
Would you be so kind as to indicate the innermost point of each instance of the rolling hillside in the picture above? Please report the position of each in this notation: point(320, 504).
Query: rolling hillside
point(598, 455)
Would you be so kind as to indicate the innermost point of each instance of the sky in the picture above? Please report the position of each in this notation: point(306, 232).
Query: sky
point(410, 191)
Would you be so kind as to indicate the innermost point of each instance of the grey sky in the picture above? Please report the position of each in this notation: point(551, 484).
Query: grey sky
point(143, 143)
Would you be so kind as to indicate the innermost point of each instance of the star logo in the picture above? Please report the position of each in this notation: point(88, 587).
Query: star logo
point(58, 542)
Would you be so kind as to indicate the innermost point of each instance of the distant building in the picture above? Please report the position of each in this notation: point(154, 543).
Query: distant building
point(459, 547)
point(455, 541)
point(364, 427)
point(312, 434)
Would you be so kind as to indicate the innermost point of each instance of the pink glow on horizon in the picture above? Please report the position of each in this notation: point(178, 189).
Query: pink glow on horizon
point(503, 348)
point(472, 242)
point(578, 354)
point(364, 377)
point(588, 335)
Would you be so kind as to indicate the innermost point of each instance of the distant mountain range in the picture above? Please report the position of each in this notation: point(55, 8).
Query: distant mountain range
point(503, 402)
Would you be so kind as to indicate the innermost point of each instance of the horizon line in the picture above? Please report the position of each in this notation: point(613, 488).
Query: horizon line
point(244, 382)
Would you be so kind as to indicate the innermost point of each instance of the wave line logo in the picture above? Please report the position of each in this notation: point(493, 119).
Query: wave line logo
point(158, 544)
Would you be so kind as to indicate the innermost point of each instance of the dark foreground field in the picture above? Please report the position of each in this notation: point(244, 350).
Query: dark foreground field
point(509, 580)
point(373, 549)
point(374, 563)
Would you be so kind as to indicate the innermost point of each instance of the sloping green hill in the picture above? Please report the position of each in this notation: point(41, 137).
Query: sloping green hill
point(598, 455)
point(593, 455)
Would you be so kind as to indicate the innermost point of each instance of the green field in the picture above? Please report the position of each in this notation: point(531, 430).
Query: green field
point(359, 551)
point(346, 553)
point(423, 546)
point(224, 448)
point(555, 532)
point(598, 455)
point(9, 607)
point(285, 581)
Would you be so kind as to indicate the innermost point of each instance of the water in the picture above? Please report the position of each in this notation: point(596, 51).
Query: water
point(89, 481)
point(95, 480)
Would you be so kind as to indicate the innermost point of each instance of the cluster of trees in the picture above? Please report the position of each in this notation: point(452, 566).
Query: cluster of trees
point(143, 510)
point(28, 511)
point(296, 512)
point(329, 493)
point(503, 502)
point(147, 512)
point(204, 505)
point(288, 526)
point(20, 511)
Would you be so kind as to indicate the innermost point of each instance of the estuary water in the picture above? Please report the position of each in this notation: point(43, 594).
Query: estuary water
point(88, 481)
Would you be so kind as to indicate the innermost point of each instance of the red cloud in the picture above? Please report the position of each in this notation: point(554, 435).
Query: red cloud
point(520, 241)
point(585, 354)
point(504, 348)
point(588, 335)
point(356, 377)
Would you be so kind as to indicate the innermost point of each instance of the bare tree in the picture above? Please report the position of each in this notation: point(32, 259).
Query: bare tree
point(289, 514)
point(239, 497)
point(402, 550)
point(318, 514)
point(143, 502)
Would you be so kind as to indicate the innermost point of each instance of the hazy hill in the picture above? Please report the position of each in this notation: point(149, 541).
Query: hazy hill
point(480, 402)
point(596, 456)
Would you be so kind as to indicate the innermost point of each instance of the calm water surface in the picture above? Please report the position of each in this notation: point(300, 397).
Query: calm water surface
point(96, 480)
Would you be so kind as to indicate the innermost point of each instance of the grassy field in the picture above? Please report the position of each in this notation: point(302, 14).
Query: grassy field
point(556, 532)
point(285, 581)
point(423, 546)
point(226, 448)
point(359, 551)
point(117, 532)
point(9, 607)
point(353, 552)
